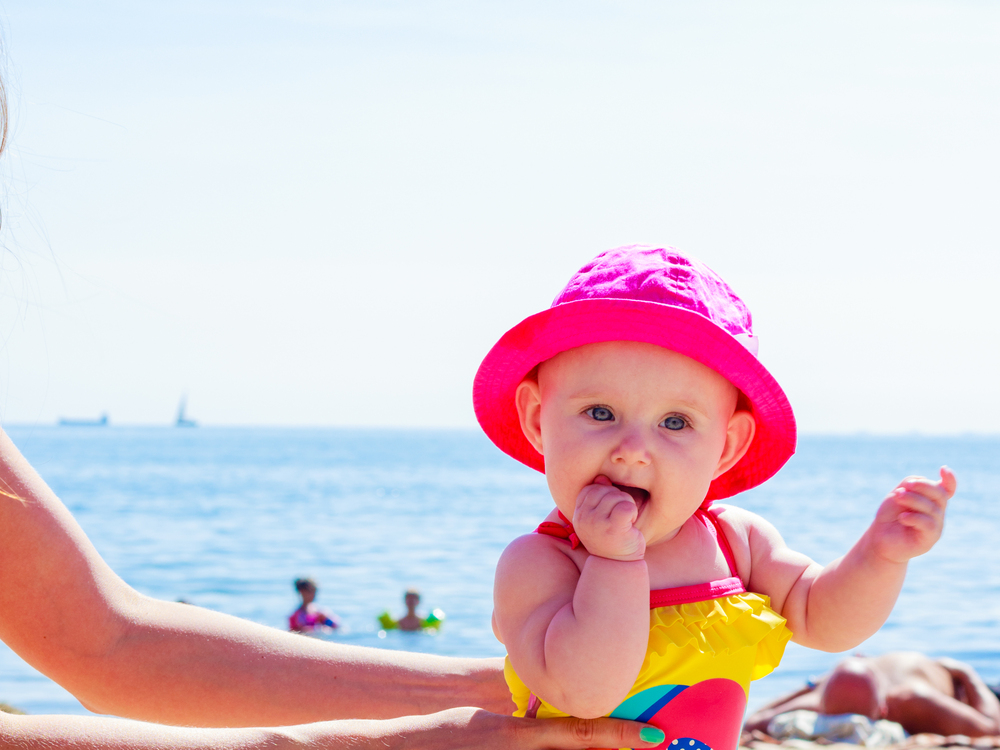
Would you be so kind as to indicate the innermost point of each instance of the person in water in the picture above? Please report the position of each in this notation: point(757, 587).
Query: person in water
point(310, 617)
point(640, 395)
point(941, 696)
point(411, 621)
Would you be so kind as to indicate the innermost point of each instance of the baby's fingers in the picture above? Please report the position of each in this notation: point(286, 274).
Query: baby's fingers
point(948, 480)
point(915, 502)
point(940, 492)
point(920, 521)
point(624, 512)
point(914, 511)
point(594, 496)
point(603, 503)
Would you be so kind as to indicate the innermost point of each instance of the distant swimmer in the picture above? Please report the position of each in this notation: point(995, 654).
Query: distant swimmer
point(411, 621)
point(309, 617)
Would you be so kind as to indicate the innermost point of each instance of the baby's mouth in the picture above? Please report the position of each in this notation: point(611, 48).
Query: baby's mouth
point(638, 494)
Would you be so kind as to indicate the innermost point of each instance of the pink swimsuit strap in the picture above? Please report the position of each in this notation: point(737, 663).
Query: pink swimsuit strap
point(699, 592)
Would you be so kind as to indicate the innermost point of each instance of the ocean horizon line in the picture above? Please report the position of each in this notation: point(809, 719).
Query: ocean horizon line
point(431, 428)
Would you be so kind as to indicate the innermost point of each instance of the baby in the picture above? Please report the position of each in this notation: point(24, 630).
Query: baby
point(640, 395)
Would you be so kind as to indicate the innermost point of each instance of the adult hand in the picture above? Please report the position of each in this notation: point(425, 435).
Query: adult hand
point(453, 729)
point(475, 728)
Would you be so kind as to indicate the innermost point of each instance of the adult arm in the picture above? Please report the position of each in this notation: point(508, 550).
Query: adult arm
point(448, 730)
point(65, 612)
point(920, 708)
point(976, 693)
point(69, 615)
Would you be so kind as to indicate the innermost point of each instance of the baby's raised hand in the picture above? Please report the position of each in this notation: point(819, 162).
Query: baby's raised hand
point(910, 519)
point(604, 520)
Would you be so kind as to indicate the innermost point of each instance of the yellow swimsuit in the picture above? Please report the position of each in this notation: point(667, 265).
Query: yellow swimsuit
point(706, 643)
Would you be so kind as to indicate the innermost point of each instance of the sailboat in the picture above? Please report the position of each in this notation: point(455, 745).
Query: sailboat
point(182, 420)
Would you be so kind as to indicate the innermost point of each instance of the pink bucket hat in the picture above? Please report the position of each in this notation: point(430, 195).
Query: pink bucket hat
point(657, 296)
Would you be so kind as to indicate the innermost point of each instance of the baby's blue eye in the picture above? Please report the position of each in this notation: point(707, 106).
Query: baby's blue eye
point(600, 414)
point(674, 423)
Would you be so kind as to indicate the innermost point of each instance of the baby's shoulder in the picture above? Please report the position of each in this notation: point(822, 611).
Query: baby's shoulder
point(534, 553)
point(736, 519)
point(744, 531)
point(532, 570)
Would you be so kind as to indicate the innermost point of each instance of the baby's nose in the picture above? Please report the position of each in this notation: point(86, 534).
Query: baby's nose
point(632, 449)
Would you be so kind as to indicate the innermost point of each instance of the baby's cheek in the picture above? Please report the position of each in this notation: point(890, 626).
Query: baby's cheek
point(564, 494)
point(699, 472)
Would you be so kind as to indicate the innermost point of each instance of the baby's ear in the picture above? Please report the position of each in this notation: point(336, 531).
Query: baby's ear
point(528, 399)
point(742, 427)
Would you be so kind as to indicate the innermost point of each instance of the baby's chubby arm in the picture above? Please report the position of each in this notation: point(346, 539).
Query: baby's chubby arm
point(836, 607)
point(577, 635)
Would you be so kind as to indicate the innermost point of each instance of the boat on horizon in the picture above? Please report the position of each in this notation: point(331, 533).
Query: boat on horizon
point(182, 420)
point(101, 422)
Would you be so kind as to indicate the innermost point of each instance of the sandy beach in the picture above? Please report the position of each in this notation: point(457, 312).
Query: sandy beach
point(760, 741)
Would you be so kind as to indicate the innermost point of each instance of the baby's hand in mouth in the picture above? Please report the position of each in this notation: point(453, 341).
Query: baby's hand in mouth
point(605, 518)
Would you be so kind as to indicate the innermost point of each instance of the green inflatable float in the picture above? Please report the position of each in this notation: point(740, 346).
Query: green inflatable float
point(433, 621)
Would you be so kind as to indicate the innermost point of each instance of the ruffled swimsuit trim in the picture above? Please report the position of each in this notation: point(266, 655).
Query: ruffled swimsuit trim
point(715, 617)
point(679, 594)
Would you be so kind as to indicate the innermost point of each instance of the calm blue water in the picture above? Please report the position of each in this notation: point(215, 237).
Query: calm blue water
point(226, 518)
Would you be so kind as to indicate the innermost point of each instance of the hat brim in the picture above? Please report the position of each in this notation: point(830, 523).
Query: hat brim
point(589, 321)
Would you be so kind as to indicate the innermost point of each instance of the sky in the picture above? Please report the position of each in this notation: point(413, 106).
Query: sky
point(326, 213)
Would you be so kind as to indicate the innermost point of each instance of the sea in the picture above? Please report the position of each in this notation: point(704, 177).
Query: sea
point(226, 518)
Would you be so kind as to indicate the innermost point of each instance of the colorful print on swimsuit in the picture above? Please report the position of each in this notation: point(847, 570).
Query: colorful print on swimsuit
point(705, 716)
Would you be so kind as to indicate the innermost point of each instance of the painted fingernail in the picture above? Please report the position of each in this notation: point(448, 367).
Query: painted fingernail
point(651, 734)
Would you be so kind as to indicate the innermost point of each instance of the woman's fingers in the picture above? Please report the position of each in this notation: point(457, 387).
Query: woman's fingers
point(470, 727)
point(593, 733)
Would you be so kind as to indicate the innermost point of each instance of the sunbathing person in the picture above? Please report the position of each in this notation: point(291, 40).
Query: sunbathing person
point(940, 696)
